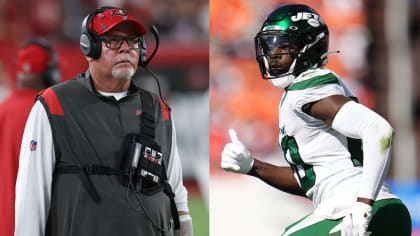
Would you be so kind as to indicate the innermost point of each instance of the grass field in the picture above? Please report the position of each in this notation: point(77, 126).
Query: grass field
point(199, 214)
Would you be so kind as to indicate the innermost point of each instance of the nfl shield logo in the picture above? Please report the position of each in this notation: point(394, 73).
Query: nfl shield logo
point(32, 145)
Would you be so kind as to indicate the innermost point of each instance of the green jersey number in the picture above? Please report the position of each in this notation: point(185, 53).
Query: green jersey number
point(288, 143)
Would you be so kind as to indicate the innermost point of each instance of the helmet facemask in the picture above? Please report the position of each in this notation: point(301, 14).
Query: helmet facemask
point(276, 53)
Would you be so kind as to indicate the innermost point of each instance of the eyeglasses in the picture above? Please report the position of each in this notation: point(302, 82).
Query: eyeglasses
point(115, 42)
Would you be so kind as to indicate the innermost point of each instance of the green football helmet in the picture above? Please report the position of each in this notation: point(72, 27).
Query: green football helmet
point(300, 33)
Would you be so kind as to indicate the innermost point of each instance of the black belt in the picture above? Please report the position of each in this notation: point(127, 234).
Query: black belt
point(88, 169)
point(84, 173)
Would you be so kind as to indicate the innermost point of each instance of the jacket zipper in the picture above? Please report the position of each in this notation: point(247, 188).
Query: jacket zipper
point(119, 117)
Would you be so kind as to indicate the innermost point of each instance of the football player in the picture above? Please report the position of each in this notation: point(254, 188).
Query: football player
point(322, 131)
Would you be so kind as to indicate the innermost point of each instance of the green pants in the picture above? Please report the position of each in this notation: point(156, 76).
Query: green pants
point(389, 217)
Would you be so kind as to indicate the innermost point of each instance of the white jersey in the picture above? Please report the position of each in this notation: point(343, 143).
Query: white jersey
point(326, 164)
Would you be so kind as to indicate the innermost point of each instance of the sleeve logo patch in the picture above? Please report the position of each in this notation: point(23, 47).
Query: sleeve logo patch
point(32, 145)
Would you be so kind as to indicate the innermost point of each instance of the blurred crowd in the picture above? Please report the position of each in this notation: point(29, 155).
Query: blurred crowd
point(182, 21)
point(241, 100)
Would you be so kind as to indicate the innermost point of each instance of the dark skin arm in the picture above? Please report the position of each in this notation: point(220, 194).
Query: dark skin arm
point(282, 177)
point(325, 109)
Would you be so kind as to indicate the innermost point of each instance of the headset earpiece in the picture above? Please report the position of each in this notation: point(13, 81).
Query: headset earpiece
point(85, 39)
point(96, 46)
point(90, 44)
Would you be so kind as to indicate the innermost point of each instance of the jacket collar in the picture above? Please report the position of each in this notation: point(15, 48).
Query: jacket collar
point(86, 80)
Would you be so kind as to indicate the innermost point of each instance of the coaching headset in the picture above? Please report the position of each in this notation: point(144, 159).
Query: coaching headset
point(90, 43)
point(52, 73)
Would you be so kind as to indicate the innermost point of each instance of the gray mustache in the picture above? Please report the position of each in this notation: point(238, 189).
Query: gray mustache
point(124, 58)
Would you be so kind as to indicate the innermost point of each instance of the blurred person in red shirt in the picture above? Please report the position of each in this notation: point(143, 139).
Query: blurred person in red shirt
point(36, 70)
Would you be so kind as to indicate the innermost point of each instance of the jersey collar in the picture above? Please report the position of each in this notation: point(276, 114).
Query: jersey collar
point(86, 80)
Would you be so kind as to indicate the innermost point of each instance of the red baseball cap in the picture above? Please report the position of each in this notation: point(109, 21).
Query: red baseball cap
point(105, 21)
point(33, 59)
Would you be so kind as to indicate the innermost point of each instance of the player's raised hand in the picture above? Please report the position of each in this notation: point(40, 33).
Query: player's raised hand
point(355, 223)
point(235, 156)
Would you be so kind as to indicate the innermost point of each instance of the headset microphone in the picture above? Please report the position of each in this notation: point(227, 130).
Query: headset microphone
point(156, 34)
point(146, 62)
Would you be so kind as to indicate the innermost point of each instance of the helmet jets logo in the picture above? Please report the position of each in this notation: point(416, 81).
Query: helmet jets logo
point(312, 19)
point(305, 16)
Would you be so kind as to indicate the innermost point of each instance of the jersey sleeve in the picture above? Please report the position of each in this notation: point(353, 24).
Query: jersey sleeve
point(175, 175)
point(317, 92)
point(35, 175)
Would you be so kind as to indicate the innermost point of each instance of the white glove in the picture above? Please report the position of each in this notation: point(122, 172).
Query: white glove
point(186, 227)
point(235, 156)
point(357, 222)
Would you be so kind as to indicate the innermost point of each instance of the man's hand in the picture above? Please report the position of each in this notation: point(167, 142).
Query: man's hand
point(186, 228)
point(235, 156)
point(356, 223)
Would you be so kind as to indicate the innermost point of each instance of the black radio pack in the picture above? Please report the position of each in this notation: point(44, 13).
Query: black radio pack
point(144, 166)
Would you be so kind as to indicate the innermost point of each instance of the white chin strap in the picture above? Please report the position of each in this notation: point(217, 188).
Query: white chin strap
point(286, 79)
point(282, 82)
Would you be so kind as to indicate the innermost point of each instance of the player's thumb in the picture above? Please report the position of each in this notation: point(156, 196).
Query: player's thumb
point(234, 137)
point(336, 229)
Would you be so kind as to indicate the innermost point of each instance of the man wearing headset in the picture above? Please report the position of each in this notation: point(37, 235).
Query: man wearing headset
point(338, 149)
point(37, 69)
point(72, 177)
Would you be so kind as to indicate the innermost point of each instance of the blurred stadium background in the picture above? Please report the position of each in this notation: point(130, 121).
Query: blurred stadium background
point(181, 64)
point(379, 42)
